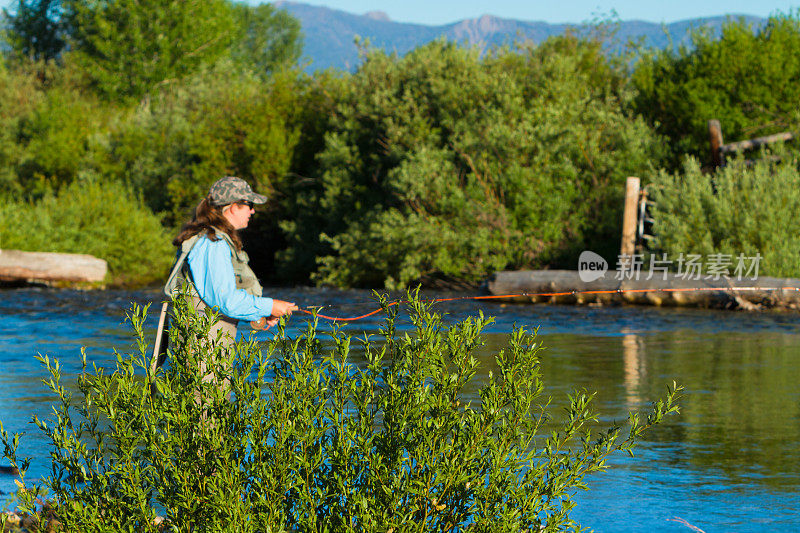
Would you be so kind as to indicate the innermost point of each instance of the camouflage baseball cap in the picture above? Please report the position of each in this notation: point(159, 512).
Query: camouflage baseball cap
point(232, 189)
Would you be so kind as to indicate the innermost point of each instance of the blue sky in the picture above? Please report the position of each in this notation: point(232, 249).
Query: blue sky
point(576, 11)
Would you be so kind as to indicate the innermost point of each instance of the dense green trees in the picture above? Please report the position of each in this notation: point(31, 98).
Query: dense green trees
point(441, 166)
point(265, 38)
point(160, 98)
point(129, 47)
point(51, 128)
point(746, 78)
point(444, 164)
point(214, 124)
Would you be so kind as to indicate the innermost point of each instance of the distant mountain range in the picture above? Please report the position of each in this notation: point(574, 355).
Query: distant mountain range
point(330, 34)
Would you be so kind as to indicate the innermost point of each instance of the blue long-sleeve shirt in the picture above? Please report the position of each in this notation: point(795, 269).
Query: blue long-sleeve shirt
point(214, 280)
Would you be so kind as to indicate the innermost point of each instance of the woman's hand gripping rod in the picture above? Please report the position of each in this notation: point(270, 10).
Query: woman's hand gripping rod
point(279, 308)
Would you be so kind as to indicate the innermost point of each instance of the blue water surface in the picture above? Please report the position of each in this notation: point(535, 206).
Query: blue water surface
point(729, 462)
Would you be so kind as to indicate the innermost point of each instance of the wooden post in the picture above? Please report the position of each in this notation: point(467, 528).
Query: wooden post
point(630, 216)
point(715, 136)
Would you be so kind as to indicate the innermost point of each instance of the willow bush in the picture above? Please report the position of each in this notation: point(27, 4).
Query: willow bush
point(309, 441)
point(447, 164)
point(742, 208)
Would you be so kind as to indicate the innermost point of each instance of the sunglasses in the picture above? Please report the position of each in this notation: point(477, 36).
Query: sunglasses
point(247, 203)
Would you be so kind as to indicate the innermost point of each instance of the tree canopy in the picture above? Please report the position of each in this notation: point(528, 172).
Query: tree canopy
point(35, 28)
point(265, 38)
point(128, 47)
point(746, 78)
point(446, 165)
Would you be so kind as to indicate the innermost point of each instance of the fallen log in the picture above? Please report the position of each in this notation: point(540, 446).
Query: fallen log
point(49, 268)
point(537, 286)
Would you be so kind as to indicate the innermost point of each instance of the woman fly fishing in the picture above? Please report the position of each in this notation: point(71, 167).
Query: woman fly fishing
point(211, 261)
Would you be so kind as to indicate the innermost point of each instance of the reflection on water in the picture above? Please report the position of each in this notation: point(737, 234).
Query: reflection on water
point(729, 462)
point(634, 367)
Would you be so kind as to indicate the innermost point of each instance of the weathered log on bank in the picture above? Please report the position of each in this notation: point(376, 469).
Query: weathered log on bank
point(50, 268)
point(655, 291)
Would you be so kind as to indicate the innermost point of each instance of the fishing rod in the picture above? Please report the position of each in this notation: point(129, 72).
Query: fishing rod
point(310, 311)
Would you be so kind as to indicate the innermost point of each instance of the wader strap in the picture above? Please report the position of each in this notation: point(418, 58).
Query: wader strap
point(170, 286)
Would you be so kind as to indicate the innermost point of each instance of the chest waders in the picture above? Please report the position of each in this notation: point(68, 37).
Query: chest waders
point(180, 274)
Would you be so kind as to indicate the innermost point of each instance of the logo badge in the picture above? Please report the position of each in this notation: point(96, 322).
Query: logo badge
point(591, 266)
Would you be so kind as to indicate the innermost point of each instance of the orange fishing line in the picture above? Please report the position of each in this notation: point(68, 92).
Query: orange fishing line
point(549, 294)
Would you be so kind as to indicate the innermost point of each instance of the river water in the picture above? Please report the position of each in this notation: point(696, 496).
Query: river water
point(729, 462)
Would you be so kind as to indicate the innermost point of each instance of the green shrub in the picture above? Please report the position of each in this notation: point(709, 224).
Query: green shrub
point(446, 164)
point(55, 139)
point(746, 78)
point(311, 442)
point(739, 209)
point(20, 94)
point(103, 219)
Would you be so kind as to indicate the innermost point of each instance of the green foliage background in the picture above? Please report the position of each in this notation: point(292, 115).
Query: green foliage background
point(129, 47)
point(739, 209)
point(444, 164)
point(217, 123)
point(439, 167)
point(746, 78)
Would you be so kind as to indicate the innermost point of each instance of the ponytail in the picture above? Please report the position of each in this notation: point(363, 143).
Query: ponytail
point(208, 217)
